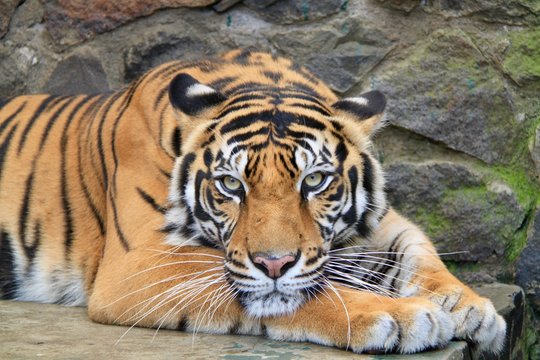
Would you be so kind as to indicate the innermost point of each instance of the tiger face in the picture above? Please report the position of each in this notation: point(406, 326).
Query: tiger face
point(277, 176)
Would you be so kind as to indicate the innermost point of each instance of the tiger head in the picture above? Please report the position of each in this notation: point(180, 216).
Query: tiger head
point(277, 172)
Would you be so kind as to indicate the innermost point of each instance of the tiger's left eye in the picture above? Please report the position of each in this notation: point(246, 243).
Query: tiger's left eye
point(313, 180)
point(231, 183)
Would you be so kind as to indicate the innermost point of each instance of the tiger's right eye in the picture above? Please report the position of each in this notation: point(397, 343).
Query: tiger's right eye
point(231, 183)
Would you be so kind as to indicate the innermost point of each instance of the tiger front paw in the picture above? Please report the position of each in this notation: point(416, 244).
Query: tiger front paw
point(475, 317)
point(399, 325)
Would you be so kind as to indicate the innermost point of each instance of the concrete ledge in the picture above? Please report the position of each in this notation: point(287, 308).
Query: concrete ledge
point(31, 330)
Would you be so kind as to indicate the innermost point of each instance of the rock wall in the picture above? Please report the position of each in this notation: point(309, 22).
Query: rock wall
point(462, 152)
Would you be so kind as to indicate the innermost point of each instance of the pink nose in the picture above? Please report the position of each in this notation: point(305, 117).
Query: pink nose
point(274, 266)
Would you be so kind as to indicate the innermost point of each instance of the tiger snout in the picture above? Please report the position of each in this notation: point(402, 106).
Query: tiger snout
point(274, 266)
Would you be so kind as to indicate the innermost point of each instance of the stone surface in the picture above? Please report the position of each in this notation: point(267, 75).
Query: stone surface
point(30, 330)
point(511, 12)
point(534, 149)
point(454, 205)
point(350, 61)
point(78, 74)
point(521, 61)
point(527, 267)
point(510, 304)
point(445, 90)
point(293, 11)
point(63, 15)
point(7, 8)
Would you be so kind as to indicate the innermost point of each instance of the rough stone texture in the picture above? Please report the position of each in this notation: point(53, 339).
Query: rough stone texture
point(527, 268)
point(534, 148)
point(30, 330)
point(521, 61)
point(510, 304)
point(456, 208)
point(511, 12)
point(78, 75)
point(62, 15)
point(7, 8)
point(447, 91)
point(293, 11)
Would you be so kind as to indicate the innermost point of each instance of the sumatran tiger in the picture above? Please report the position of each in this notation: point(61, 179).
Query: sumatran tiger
point(229, 195)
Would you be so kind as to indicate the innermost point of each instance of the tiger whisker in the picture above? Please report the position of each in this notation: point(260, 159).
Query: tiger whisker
point(193, 290)
point(347, 277)
point(170, 264)
point(171, 278)
point(177, 287)
point(331, 287)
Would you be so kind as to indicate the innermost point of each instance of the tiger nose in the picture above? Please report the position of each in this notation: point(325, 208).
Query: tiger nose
point(274, 267)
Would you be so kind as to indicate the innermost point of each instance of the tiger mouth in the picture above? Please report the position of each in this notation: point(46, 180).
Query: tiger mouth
point(275, 303)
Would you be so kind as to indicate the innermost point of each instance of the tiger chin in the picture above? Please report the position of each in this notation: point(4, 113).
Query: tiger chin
point(229, 195)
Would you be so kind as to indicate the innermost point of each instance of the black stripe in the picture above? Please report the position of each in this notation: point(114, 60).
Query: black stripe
point(238, 275)
point(280, 119)
point(367, 182)
point(36, 115)
point(151, 201)
point(187, 161)
point(8, 278)
point(52, 121)
point(101, 151)
point(25, 209)
point(313, 107)
point(66, 206)
point(4, 149)
point(176, 141)
point(247, 135)
point(10, 118)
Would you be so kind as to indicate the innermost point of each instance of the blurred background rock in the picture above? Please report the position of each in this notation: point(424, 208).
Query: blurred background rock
point(462, 152)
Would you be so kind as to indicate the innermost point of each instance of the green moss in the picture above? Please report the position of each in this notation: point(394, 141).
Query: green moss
point(514, 248)
point(431, 222)
point(522, 62)
point(457, 268)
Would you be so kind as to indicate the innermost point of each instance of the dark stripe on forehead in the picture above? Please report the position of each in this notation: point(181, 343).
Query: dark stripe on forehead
point(248, 135)
point(280, 119)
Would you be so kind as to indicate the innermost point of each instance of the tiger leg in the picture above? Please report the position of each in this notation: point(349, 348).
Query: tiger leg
point(185, 288)
point(421, 273)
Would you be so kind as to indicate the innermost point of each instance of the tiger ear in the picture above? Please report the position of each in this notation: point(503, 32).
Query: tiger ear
point(366, 110)
point(191, 97)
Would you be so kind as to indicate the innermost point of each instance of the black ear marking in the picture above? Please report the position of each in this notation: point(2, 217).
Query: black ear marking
point(364, 106)
point(191, 97)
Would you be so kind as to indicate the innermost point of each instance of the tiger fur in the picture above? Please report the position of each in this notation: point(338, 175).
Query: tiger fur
point(229, 195)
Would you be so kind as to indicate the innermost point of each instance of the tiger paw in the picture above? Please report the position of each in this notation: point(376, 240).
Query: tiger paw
point(476, 319)
point(399, 325)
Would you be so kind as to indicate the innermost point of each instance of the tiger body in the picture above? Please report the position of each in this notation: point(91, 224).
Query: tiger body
point(232, 195)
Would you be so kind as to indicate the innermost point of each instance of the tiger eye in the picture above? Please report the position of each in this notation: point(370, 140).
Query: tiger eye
point(314, 180)
point(231, 183)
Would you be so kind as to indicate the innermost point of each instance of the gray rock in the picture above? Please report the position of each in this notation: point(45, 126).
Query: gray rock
point(294, 11)
point(509, 302)
point(511, 12)
point(157, 48)
point(457, 209)
point(7, 8)
point(345, 65)
point(445, 90)
point(527, 266)
point(403, 5)
point(534, 148)
point(78, 74)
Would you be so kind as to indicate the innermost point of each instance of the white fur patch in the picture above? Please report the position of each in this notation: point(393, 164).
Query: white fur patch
point(359, 100)
point(199, 90)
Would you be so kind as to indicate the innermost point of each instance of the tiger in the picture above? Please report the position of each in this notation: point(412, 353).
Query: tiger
point(229, 195)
